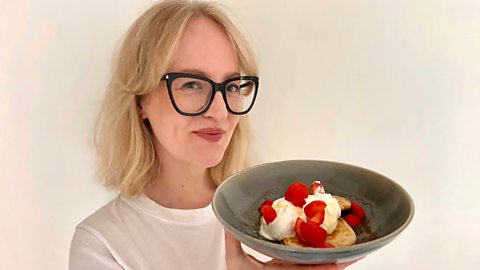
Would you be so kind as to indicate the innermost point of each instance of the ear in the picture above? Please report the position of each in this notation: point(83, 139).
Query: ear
point(143, 115)
point(141, 111)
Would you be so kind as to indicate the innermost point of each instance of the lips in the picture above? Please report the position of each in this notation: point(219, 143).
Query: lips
point(210, 134)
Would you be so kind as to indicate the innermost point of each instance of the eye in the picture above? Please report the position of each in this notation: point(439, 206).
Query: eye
point(232, 88)
point(191, 85)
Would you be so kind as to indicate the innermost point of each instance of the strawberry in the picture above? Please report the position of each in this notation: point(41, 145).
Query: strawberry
point(357, 210)
point(313, 234)
point(296, 194)
point(266, 202)
point(324, 245)
point(268, 213)
point(352, 220)
point(315, 211)
point(298, 223)
point(315, 185)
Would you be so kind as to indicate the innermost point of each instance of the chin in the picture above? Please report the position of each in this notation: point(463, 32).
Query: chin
point(209, 157)
point(212, 161)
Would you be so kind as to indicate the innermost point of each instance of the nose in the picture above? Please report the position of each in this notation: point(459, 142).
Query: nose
point(218, 108)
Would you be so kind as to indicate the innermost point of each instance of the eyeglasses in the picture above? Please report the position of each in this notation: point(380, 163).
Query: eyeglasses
point(192, 94)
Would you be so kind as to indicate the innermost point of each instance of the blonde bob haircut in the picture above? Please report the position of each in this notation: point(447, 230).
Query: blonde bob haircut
point(127, 160)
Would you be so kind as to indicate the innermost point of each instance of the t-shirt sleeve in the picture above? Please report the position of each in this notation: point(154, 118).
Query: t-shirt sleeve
point(89, 252)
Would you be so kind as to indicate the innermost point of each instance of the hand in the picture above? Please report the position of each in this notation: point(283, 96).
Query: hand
point(237, 259)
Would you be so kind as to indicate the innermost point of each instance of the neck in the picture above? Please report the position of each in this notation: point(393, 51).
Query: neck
point(181, 186)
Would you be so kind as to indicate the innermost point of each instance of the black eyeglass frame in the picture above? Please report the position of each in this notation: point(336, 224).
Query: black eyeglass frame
point(169, 77)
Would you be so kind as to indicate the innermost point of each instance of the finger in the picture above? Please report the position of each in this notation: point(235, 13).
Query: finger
point(232, 246)
point(342, 265)
point(276, 264)
point(281, 266)
point(346, 264)
point(278, 261)
point(236, 258)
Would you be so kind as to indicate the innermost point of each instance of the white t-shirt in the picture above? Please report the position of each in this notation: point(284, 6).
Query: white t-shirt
point(137, 233)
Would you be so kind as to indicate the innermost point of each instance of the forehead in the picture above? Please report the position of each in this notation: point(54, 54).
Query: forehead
point(205, 46)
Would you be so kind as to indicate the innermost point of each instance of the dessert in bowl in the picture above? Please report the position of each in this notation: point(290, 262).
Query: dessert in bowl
point(310, 218)
point(387, 206)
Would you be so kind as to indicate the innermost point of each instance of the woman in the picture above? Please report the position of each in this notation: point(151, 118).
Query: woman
point(173, 126)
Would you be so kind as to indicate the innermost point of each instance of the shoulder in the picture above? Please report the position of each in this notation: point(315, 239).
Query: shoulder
point(113, 222)
point(103, 218)
point(110, 223)
point(90, 248)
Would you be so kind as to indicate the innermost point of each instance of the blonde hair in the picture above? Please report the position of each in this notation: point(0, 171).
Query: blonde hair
point(125, 149)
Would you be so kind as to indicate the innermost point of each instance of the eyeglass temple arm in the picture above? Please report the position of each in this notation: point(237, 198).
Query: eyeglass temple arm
point(246, 84)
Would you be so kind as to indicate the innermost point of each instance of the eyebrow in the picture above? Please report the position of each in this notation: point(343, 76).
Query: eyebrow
point(202, 73)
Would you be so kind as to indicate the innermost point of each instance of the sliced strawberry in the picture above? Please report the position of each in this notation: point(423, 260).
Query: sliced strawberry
point(268, 213)
point(298, 223)
point(357, 210)
point(296, 194)
point(313, 234)
point(324, 245)
point(266, 202)
point(315, 211)
point(352, 220)
point(315, 185)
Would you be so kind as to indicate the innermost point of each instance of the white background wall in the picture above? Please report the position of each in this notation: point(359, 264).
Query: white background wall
point(389, 85)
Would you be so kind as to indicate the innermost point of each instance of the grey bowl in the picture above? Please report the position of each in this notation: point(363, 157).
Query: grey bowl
point(389, 209)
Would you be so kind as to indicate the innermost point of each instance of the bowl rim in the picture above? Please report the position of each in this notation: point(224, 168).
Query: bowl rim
point(311, 250)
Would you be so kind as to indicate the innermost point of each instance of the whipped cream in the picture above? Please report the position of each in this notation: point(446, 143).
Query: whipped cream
point(332, 210)
point(284, 224)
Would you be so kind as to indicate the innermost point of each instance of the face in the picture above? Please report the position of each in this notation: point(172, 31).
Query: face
point(196, 141)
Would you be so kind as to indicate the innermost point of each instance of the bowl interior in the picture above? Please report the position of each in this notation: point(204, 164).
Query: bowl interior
point(387, 205)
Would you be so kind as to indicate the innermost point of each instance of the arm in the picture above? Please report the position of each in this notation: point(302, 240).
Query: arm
point(89, 252)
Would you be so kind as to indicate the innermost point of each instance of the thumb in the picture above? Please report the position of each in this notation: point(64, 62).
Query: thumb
point(236, 258)
point(232, 246)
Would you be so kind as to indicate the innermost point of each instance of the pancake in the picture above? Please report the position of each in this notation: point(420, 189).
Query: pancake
point(293, 242)
point(343, 202)
point(342, 236)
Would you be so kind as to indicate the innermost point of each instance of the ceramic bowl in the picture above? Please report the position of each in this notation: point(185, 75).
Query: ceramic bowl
point(388, 207)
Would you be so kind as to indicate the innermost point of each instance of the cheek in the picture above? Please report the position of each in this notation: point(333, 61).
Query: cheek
point(167, 124)
point(233, 123)
point(172, 128)
point(172, 136)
